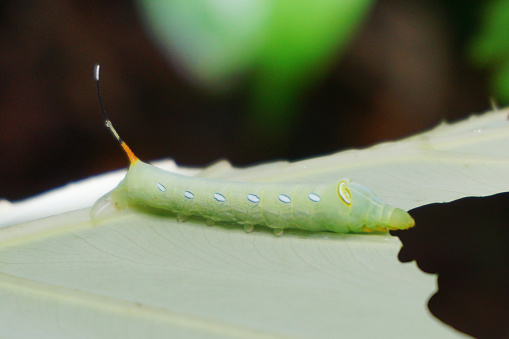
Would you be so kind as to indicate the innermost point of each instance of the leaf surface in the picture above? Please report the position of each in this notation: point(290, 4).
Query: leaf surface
point(135, 274)
point(139, 275)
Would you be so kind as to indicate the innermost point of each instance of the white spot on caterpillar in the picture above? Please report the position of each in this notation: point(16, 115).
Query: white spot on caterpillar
point(188, 195)
point(161, 187)
point(314, 197)
point(344, 193)
point(284, 198)
point(253, 198)
point(219, 197)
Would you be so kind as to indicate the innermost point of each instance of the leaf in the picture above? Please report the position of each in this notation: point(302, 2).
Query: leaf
point(135, 274)
point(147, 276)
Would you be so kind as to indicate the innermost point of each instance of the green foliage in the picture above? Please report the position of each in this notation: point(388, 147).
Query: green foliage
point(285, 45)
point(490, 47)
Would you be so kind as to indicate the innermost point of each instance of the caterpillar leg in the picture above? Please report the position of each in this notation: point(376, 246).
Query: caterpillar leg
point(377, 229)
point(181, 217)
point(210, 222)
point(278, 232)
point(248, 228)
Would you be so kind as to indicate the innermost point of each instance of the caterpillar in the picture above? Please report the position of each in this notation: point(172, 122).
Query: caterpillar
point(342, 206)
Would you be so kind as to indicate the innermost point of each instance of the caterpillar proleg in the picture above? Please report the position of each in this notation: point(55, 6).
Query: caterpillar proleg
point(342, 206)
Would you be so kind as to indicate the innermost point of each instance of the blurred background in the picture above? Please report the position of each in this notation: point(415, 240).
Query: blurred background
point(246, 80)
point(254, 81)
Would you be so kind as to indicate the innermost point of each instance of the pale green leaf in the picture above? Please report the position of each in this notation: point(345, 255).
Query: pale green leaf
point(147, 276)
point(135, 275)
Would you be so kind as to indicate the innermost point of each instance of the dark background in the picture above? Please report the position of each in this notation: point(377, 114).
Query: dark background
point(404, 71)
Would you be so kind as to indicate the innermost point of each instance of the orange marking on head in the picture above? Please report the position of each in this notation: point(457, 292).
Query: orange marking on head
point(132, 158)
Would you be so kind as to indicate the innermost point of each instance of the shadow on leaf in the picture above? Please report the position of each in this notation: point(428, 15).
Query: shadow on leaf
point(466, 242)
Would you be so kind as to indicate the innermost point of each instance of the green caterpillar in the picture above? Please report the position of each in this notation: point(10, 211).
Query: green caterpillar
point(341, 206)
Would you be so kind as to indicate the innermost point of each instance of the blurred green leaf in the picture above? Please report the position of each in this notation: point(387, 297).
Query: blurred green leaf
point(215, 40)
point(211, 40)
point(302, 42)
point(284, 45)
point(490, 47)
